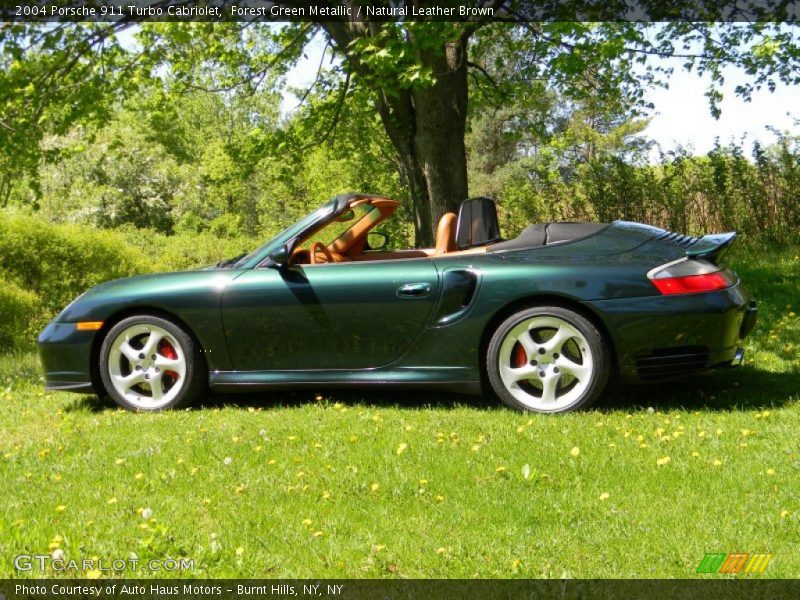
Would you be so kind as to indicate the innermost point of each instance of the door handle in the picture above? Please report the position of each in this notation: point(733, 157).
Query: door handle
point(414, 290)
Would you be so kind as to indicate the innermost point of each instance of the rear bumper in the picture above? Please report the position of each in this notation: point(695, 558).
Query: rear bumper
point(665, 337)
point(65, 354)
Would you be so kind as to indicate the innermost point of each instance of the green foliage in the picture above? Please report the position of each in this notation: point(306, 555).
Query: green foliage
point(59, 262)
point(18, 309)
point(44, 266)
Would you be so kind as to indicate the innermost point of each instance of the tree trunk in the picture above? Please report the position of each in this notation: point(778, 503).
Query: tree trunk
point(426, 126)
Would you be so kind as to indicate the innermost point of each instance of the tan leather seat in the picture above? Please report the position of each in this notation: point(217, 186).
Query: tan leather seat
point(446, 234)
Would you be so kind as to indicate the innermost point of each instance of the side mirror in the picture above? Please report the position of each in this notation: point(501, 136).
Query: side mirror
point(279, 257)
point(377, 240)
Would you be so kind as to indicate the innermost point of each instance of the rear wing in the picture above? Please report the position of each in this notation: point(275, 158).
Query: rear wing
point(711, 247)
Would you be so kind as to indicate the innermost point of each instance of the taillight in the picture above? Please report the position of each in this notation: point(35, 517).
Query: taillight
point(687, 276)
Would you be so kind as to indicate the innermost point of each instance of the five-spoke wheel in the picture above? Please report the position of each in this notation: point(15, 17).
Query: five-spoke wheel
point(547, 359)
point(148, 363)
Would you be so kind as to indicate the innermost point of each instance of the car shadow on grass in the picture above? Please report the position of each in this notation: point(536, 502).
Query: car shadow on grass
point(740, 389)
point(737, 389)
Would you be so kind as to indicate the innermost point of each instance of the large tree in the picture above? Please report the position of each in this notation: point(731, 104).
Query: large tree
point(418, 76)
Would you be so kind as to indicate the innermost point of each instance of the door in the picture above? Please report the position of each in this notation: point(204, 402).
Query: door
point(351, 315)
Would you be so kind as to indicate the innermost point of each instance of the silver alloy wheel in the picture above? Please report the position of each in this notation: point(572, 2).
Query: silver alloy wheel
point(147, 366)
point(546, 363)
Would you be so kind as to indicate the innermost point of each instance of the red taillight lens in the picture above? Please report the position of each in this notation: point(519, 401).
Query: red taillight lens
point(692, 284)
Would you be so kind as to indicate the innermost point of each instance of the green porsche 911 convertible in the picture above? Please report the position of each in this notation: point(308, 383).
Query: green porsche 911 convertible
point(542, 320)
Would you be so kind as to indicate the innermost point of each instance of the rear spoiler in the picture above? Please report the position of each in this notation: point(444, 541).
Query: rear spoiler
point(712, 247)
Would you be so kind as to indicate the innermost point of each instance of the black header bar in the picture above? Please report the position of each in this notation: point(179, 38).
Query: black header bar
point(398, 10)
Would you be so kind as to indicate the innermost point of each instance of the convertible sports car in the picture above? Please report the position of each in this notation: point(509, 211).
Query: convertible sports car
point(543, 320)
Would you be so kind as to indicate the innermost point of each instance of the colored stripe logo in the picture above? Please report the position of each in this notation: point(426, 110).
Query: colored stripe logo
point(734, 563)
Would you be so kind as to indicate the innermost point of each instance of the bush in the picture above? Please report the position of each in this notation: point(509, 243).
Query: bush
point(58, 262)
point(19, 310)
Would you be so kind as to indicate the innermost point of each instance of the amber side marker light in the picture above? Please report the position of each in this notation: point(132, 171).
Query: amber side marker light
point(88, 325)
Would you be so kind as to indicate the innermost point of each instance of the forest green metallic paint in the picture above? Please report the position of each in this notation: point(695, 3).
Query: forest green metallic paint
point(348, 323)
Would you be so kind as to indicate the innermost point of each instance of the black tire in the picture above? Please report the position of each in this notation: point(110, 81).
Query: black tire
point(593, 359)
point(193, 383)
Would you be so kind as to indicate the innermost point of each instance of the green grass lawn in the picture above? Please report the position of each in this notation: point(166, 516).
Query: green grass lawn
point(371, 484)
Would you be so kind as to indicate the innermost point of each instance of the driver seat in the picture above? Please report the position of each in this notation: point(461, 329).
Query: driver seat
point(446, 234)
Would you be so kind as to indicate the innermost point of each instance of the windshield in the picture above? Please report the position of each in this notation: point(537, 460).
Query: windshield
point(285, 235)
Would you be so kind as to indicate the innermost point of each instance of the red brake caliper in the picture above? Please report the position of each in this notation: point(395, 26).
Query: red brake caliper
point(518, 356)
point(167, 351)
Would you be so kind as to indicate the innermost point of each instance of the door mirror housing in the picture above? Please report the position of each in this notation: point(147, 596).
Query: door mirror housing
point(279, 258)
point(377, 240)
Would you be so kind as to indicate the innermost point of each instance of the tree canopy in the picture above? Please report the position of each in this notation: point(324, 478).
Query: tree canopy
point(422, 80)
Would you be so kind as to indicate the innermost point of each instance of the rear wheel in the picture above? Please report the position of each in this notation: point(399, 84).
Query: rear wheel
point(548, 359)
point(148, 363)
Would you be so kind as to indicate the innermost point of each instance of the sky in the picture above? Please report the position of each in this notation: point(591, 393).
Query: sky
point(681, 115)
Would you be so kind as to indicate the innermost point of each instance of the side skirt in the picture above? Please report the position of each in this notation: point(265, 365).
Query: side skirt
point(451, 379)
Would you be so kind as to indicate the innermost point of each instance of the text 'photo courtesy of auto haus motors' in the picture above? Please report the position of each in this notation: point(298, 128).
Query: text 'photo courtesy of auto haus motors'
point(542, 321)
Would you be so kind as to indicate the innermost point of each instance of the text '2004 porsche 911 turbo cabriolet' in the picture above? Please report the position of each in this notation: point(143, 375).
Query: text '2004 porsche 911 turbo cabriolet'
point(542, 320)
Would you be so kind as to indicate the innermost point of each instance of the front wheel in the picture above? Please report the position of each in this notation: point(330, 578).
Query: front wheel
point(548, 359)
point(148, 364)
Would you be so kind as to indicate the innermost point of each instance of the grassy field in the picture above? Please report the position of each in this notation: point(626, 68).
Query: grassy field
point(370, 484)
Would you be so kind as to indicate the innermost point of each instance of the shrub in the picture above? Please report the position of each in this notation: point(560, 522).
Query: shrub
point(19, 310)
point(58, 262)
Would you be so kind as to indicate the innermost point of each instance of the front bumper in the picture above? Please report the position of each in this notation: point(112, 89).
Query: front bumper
point(66, 356)
point(663, 337)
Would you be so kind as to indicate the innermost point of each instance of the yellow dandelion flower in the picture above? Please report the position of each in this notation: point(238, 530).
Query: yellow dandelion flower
point(307, 522)
point(236, 439)
point(476, 447)
point(605, 496)
point(119, 461)
point(378, 547)
point(93, 574)
point(326, 495)
point(642, 445)
point(717, 462)
point(792, 314)
point(239, 551)
point(143, 526)
point(53, 545)
point(401, 447)
point(292, 438)
point(719, 431)
point(770, 471)
point(701, 434)
point(612, 445)
point(695, 454)
point(271, 461)
point(374, 487)
point(441, 550)
point(784, 514)
point(90, 522)
point(140, 475)
point(206, 501)
point(440, 498)
point(516, 563)
point(663, 461)
point(58, 539)
point(500, 469)
point(112, 501)
point(575, 451)
point(60, 508)
point(353, 438)
point(520, 429)
point(258, 448)
point(317, 533)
